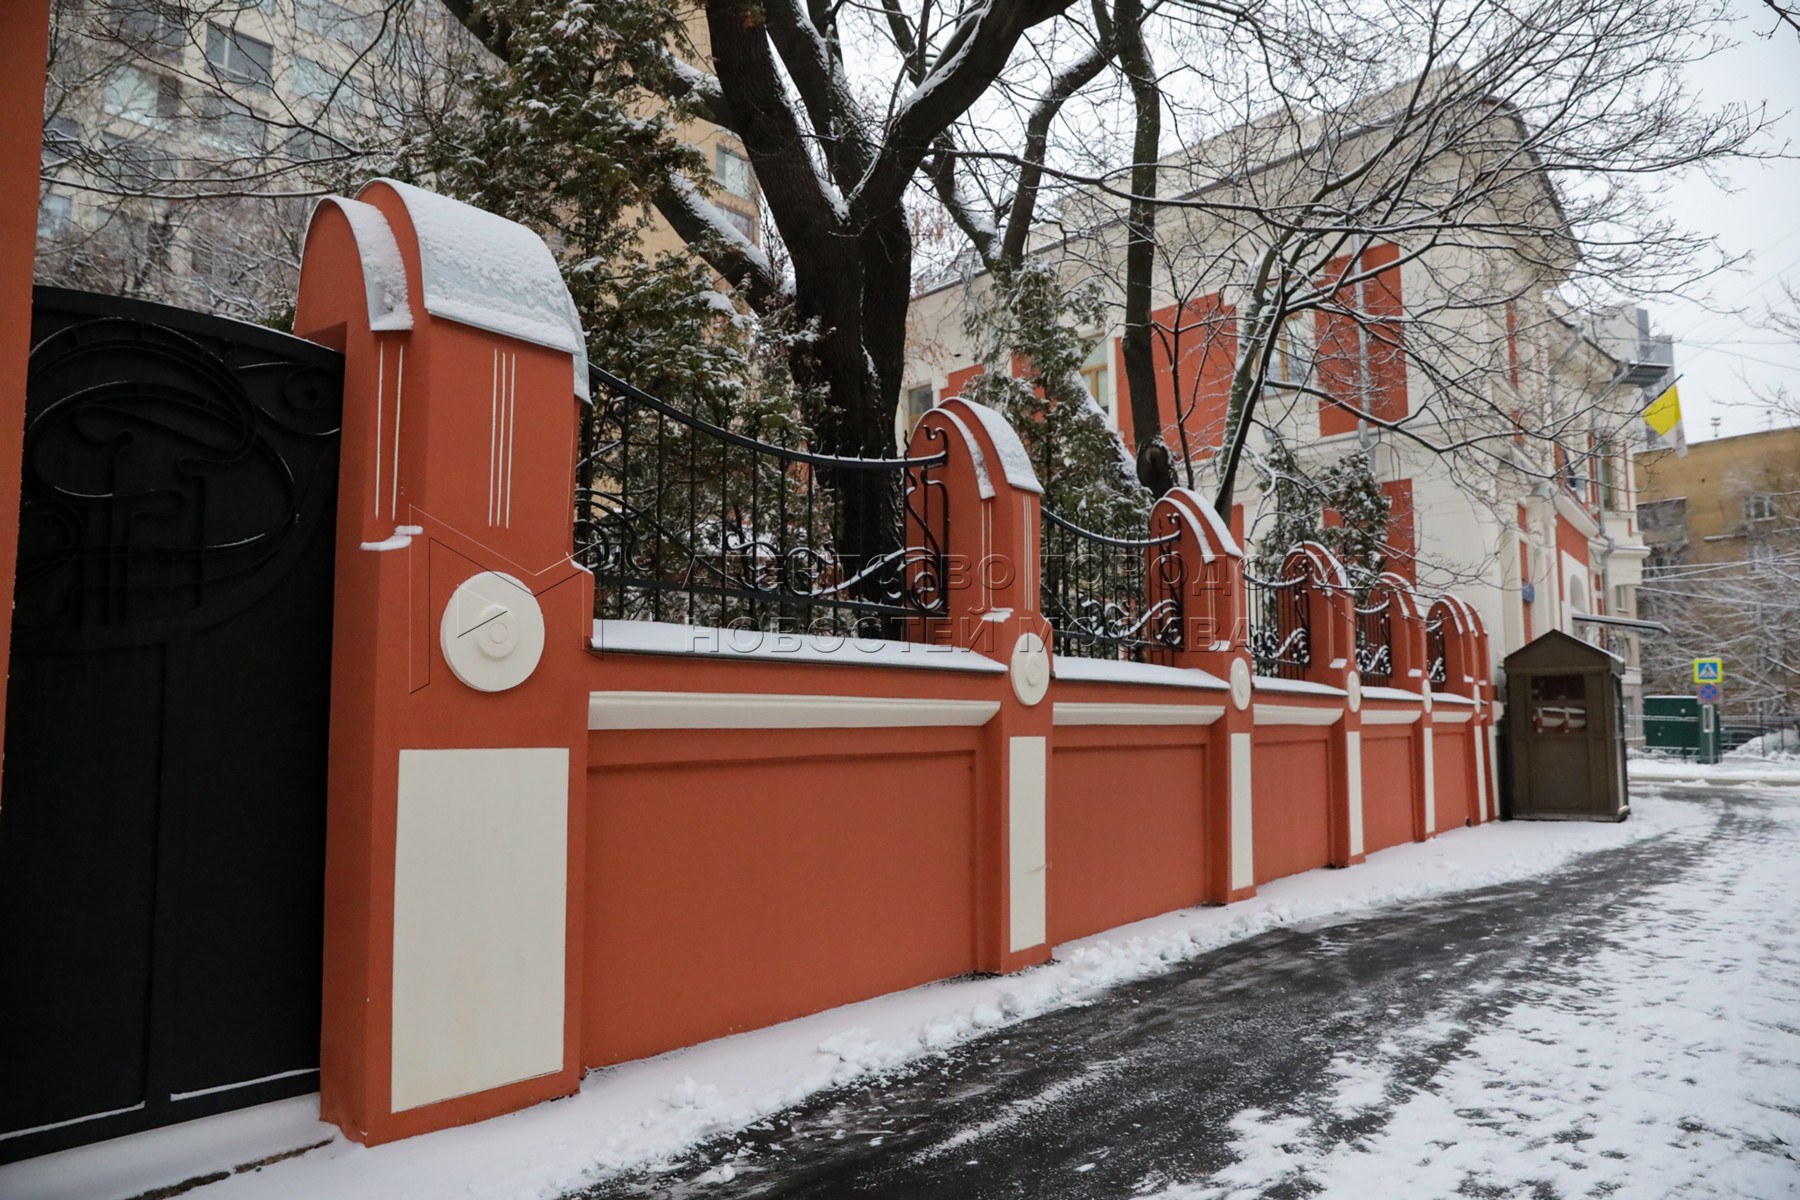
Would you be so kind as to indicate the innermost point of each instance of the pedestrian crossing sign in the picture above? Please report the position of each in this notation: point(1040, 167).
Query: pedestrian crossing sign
point(1709, 670)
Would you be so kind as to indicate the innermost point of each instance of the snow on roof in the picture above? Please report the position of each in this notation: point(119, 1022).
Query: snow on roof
point(383, 270)
point(480, 269)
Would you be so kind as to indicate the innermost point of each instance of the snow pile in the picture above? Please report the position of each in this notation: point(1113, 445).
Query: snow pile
point(1781, 743)
point(1664, 1065)
point(647, 1113)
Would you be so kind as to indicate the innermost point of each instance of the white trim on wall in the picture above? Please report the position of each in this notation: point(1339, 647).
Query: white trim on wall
point(1294, 714)
point(1243, 814)
point(759, 710)
point(1026, 843)
point(1066, 712)
point(1389, 716)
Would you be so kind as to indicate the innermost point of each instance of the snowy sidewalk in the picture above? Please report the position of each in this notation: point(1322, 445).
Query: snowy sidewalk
point(650, 1112)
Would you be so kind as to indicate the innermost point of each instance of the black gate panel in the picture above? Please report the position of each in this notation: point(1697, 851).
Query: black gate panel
point(163, 807)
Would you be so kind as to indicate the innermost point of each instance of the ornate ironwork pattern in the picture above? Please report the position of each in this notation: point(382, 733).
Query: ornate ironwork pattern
point(164, 466)
point(1375, 643)
point(1436, 670)
point(1280, 625)
point(1095, 592)
point(687, 521)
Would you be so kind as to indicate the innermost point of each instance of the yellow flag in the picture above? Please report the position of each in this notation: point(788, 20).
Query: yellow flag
point(1664, 412)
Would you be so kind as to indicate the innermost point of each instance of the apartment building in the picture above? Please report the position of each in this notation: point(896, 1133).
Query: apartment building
point(1723, 527)
point(185, 141)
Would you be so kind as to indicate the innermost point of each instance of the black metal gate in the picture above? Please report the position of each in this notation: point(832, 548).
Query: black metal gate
point(162, 816)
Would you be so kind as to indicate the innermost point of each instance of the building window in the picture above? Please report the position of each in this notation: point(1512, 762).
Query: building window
point(744, 223)
point(62, 138)
point(733, 170)
point(53, 216)
point(231, 126)
point(237, 57)
point(918, 403)
point(327, 19)
point(1095, 378)
point(314, 81)
point(151, 27)
point(1759, 506)
point(1762, 558)
point(133, 94)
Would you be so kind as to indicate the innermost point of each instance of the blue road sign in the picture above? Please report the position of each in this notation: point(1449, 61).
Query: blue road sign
point(1709, 693)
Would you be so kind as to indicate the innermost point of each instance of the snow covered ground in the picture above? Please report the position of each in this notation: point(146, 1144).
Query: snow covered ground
point(1731, 1042)
point(1668, 1066)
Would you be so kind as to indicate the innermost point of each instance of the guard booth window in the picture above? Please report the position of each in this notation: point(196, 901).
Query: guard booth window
point(1558, 704)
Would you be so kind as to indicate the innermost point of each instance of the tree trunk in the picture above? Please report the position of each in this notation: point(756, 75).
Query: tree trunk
point(1140, 243)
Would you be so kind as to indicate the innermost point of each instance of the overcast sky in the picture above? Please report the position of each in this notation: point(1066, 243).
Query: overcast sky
point(1717, 354)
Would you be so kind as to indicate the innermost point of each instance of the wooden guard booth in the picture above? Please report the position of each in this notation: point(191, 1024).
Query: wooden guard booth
point(1566, 736)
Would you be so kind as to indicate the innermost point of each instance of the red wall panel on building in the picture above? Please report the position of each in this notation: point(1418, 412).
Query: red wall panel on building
point(1450, 769)
point(1291, 797)
point(1201, 343)
point(1344, 342)
point(1120, 854)
point(1388, 797)
point(726, 895)
point(958, 380)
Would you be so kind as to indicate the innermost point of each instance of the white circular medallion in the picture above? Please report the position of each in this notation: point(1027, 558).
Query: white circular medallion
point(1240, 683)
point(1426, 694)
point(1030, 669)
point(1353, 691)
point(493, 632)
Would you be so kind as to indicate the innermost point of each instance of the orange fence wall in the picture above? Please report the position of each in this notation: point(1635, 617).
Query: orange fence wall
point(749, 879)
point(1390, 801)
point(1293, 801)
point(1126, 827)
point(1451, 763)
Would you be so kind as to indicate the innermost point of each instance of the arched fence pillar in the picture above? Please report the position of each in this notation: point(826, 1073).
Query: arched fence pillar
point(992, 604)
point(454, 838)
point(1331, 609)
point(1214, 638)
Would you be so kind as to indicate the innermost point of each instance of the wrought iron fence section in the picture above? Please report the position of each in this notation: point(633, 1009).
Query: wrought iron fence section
point(1280, 626)
point(687, 521)
point(1375, 643)
point(1095, 591)
point(1436, 669)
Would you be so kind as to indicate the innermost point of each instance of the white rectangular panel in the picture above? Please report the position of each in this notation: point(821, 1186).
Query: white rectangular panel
point(1243, 815)
point(1430, 784)
point(1353, 773)
point(1026, 853)
point(480, 901)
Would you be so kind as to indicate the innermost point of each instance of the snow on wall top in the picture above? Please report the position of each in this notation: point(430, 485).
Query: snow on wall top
point(383, 270)
point(480, 269)
point(1015, 464)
